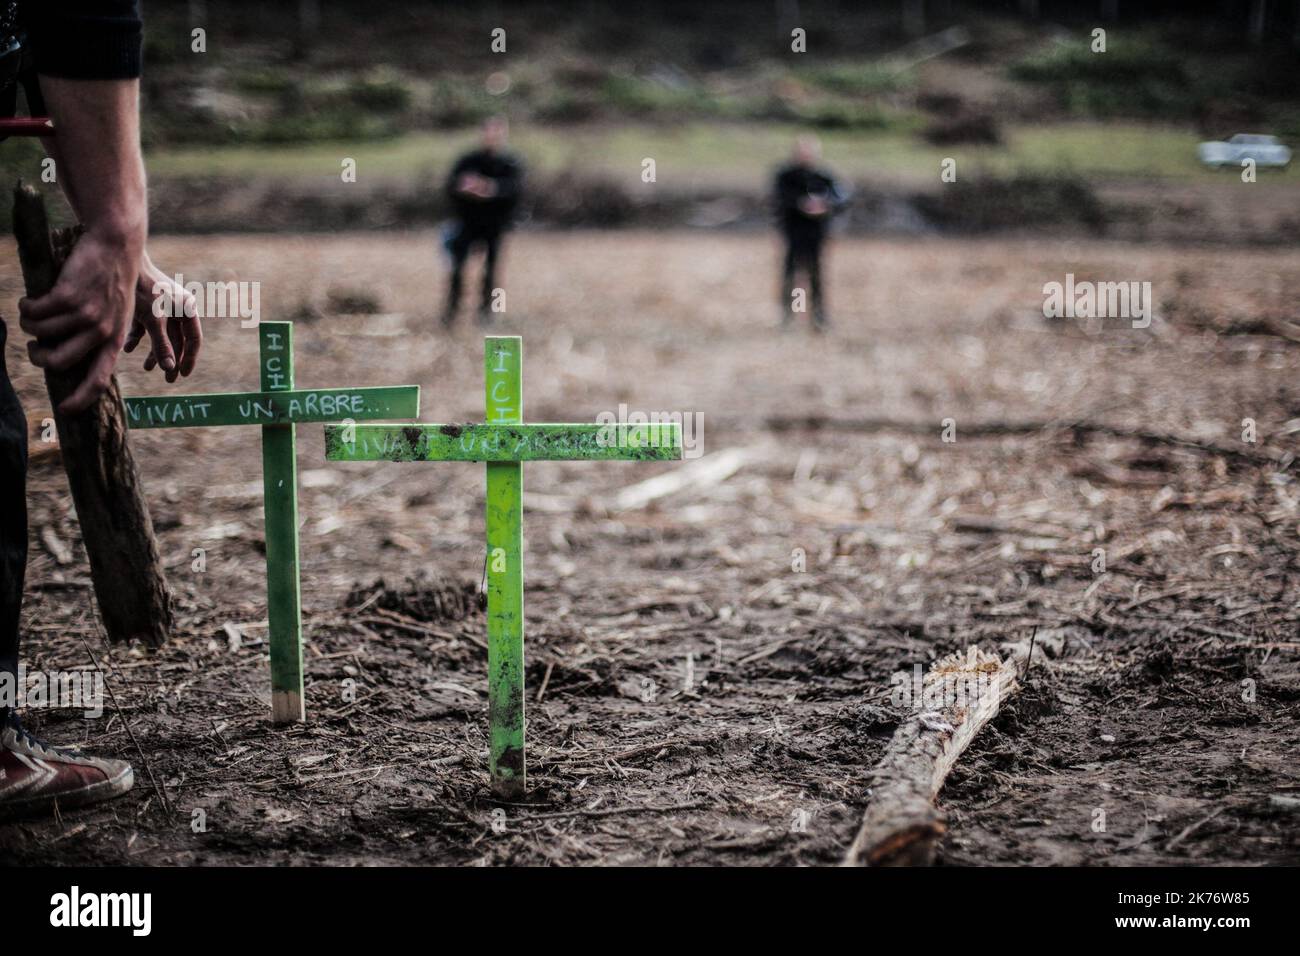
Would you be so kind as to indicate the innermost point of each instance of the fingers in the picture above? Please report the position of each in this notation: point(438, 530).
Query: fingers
point(138, 332)
point(134, 336)
point(97, 378)
point(55, 317)
point(55, 302)
point(193, 330)
point(176, 338)
point(64, 355)
point(175, 348)
point(66, 334)
point(174, 329)
point(163, 353)
point(51, 329)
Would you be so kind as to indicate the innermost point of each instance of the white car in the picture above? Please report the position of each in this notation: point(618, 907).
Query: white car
point(1264, 150)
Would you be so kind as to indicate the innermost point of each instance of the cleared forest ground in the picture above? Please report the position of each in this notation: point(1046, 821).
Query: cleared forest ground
point(1068, 440)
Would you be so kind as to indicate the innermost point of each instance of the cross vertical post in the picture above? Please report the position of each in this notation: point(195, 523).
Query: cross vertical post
point(280, 495)
point(503, 378)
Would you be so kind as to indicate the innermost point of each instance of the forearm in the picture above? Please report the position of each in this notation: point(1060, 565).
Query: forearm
point(97, 155)
point(88, 61)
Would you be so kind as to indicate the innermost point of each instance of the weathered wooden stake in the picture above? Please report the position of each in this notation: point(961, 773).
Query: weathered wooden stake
point(278, 408)
point(504, 443)
point(116, 528)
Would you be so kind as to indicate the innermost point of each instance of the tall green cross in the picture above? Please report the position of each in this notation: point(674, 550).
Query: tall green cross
point(504, 443)
point(278, 408)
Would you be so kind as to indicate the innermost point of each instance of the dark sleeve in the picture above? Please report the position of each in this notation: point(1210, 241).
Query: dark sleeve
point(511, 182)
point(455, 174)
point(787, 193)
point(84, 39)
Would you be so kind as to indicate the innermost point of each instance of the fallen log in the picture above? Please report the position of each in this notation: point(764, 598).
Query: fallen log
point(116, 528)
point(959, 695)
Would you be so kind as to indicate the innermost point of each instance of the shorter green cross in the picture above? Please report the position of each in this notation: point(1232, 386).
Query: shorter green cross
point(504, 443)
point(278, 408)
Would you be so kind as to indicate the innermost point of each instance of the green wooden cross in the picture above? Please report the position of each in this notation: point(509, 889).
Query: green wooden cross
point(504, 443)
point(278, 408)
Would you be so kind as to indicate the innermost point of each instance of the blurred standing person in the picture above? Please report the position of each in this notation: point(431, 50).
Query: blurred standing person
point(807, 198)
point(484, 188)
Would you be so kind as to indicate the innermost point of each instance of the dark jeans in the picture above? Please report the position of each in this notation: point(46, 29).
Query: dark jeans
point(13, 519)
point(460, 247)
point(803, 250)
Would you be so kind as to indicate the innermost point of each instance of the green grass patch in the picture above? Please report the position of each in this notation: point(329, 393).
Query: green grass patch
point(381, 91)
point(637, 96)
point(265, 81)
point(1135, 76)
point(858, 78)
point(719, 153)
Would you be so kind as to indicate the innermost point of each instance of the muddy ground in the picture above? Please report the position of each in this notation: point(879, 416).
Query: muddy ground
point(693, 697)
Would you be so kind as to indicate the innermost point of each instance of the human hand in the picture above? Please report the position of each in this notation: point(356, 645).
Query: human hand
point(480, 187)
point(169, 314)
point(813, 206)
point(81, 323)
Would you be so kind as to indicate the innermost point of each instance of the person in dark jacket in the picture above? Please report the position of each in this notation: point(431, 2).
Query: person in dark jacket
point(85, 63)
point(483, 189)
point(807, 198)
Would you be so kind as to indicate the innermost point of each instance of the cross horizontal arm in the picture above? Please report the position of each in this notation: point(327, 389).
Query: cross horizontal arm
point(274, 408)
point(552, 442)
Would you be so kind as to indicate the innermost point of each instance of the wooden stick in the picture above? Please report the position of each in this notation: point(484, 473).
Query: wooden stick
point(503, 361)
point(505, 442)
point(280, 490)
point(134, 602)
point(298, 406)
point(960, 694)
